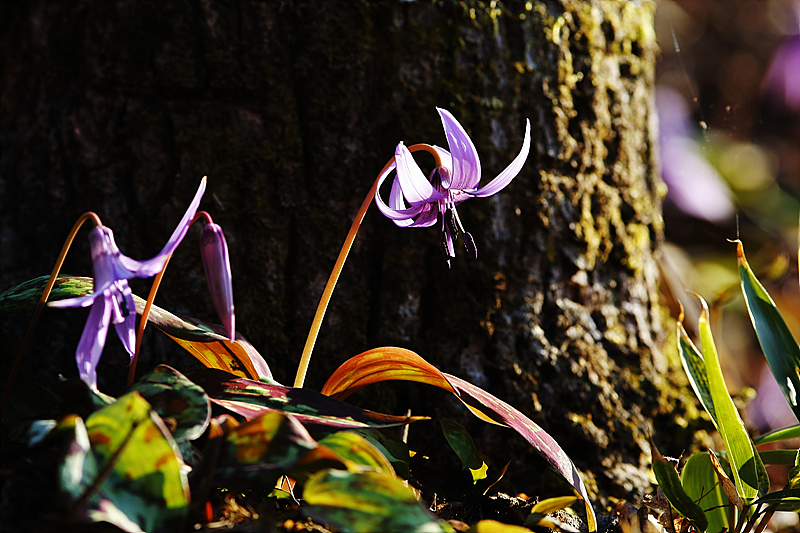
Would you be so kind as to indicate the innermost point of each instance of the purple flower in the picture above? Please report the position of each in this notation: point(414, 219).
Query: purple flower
point(783, 78)
point(111, 299)
point(214, 251)
point(455, 181)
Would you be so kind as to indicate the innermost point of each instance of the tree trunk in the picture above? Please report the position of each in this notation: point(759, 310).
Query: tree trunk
point(291, 108)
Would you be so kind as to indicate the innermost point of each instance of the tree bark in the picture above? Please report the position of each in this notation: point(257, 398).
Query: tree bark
point(291, 108)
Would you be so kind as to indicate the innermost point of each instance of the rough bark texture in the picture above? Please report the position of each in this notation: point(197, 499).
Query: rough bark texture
point(291, 109)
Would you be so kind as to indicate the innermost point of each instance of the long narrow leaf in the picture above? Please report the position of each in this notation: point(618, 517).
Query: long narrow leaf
point(387, 364)
point(252, 398)
point(695, 368)
point(748, 471)
point(207, 342)
point(777, 342)
point(786, 433)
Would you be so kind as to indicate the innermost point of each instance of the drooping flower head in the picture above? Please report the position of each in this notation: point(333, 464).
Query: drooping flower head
point(112, 299)
point(416, 201)
point(216, 263)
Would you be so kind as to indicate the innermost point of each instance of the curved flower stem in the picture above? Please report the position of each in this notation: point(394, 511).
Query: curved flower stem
point(12, 376)
point(150, 299)
point(305, 358)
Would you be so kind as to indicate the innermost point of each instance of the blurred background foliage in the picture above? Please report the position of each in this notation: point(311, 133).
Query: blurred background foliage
point(728, 101)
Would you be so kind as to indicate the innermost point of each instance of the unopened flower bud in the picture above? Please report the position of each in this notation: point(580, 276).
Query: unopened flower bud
point(214, 251)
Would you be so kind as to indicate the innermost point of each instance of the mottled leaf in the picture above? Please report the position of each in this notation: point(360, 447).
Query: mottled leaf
point(251, 398)
point(260, 451)
point(366, 502)
point(386, 364)
point(182, 405)
point(358, 451)
point(144, 475)
point(780, 347)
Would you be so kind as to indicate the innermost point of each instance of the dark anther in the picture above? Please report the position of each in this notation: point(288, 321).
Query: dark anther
point(469, 244)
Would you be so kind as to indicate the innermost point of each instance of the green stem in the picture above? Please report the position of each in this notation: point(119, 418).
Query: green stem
point(12, 376)
point(305, 358)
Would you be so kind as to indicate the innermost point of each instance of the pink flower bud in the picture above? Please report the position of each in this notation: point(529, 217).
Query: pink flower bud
point(214, 251)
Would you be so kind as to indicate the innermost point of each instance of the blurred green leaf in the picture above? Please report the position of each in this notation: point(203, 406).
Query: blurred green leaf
point(461, 442)
point(777, 342)
point(181, 404)
point(366, 502)
point(670, 485)
point(700, 482)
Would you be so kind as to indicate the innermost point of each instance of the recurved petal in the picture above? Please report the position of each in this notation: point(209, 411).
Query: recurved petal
point(393, 210)
point(505, 177)
point(93, 339)
point(151, 267)
point(466, 170)
point(214, 251)
point(417, 190)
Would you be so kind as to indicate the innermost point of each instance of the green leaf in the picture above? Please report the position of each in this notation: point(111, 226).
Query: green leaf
point(389, 363)
point(778, 457)
point(671, 486)
point(358, 451)
point(695, 368)
point(787, 499)
point(146, 477)
point(182, 405)
point(786, 433)
point(749, 473)
point(777, 342)
point(391, 447)
point(461, 442)
point(366, 502)
point(701, 485)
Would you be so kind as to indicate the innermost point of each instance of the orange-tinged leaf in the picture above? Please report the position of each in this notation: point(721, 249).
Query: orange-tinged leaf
point(398, 364)
point(233, 357)
point(382, 364)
